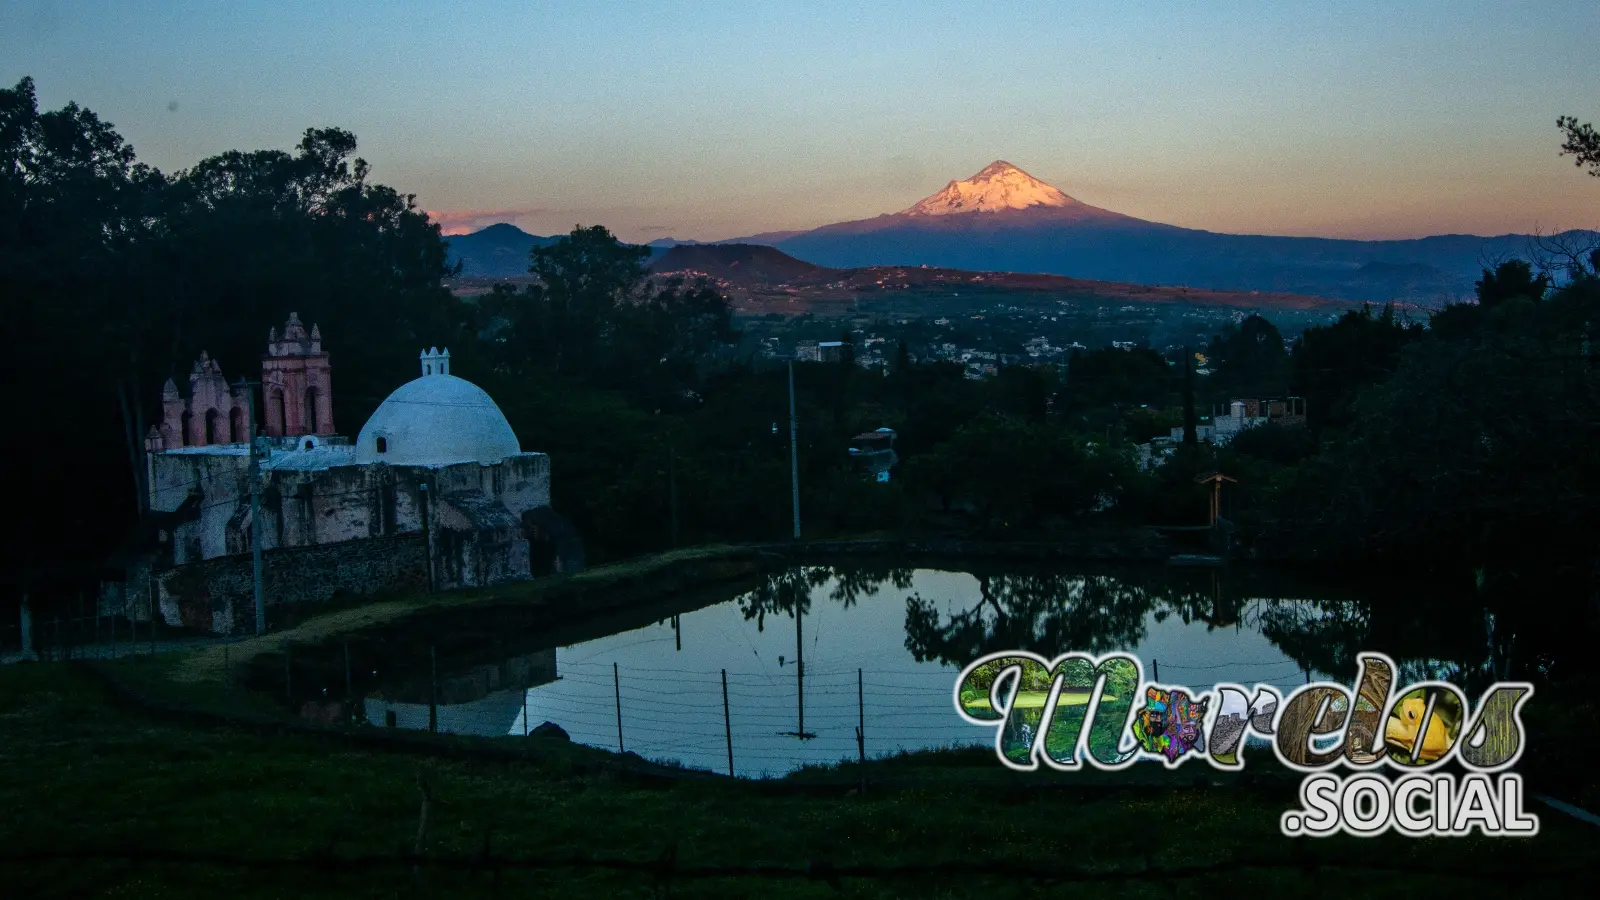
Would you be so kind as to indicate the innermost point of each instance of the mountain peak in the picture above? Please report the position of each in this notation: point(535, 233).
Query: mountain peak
point(998, 186)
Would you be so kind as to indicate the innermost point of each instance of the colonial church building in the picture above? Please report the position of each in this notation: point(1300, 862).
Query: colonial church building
point(435, 492)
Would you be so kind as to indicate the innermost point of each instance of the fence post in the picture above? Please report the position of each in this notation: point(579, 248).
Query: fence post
point(349, 707)
point(433, 689)
point(1155, 670)
point(861, 729)
point(26, 626)
point(727, 723)
point(616, 682)
point(524, 712)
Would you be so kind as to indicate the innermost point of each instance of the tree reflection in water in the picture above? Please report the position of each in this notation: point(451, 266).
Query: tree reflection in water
point(784, 592)
point(1051, 614)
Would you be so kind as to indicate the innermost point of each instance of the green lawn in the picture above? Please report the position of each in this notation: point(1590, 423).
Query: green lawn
point(82, 775)
point(1032, 700)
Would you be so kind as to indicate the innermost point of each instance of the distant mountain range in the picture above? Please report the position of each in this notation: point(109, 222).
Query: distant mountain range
point(1004, 220)
point(761, 279)
point(501, 250)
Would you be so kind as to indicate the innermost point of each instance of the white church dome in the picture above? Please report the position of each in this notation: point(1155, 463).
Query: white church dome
point(436, 420)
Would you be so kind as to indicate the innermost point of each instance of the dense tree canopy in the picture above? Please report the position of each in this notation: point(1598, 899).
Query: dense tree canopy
point(1331, 365)
point(117, 276)
point(1249, 361)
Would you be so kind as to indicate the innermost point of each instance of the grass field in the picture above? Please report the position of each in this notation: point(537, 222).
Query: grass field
point(86, 777)
point(1033, 700)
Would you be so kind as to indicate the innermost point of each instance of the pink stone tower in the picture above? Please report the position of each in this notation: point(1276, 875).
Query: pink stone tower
point(215, 413)
point(296, 382)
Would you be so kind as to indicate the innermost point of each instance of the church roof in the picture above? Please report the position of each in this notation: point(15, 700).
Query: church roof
point(437, 420)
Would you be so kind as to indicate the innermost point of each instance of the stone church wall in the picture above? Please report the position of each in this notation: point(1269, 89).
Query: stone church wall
point(209, 595)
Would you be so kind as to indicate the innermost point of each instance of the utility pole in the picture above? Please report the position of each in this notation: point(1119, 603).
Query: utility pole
point(794, 455)
point(423, 499)
point(255, 505)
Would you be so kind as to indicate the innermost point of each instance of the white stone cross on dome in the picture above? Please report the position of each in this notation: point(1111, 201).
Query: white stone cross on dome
point(434, 362)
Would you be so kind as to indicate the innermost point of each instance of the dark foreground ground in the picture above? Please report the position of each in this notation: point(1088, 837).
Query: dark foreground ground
point(103, 801)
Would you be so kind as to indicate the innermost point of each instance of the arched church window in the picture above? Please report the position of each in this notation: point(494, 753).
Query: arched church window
point(211, 426)
point(309, 445)
point(311, 409)
point(236, 425)
point(383, 445)
point(187, 421)
point(427, 368)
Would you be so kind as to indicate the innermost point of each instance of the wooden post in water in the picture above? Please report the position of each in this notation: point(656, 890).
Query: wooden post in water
point(433, 689)
point(727, 722)
point(800, 672)
point(677, 633)
point(524, 712)
point(616, 682)
point(861, 729)
point(1155, 670)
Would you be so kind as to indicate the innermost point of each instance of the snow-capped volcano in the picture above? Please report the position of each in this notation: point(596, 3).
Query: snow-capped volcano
point(1000, 186)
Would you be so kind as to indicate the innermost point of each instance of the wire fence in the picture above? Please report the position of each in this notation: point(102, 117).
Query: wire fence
point(51, 637)
point(737, 722)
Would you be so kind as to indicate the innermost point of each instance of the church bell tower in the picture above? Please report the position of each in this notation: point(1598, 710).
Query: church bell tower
point(296, 382)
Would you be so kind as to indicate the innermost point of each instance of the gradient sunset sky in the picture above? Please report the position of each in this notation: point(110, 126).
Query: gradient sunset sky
point(713, 120)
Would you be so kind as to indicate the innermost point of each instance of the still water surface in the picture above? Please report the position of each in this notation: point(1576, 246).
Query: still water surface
point(884, 646)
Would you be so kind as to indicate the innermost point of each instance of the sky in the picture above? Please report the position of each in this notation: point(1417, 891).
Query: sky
point(711, 120)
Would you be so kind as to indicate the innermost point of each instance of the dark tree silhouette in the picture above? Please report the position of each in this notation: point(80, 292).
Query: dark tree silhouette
point(1582, 142)
point(1511, 280)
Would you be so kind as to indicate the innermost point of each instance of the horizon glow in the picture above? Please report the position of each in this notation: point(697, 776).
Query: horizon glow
point(711, 120)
